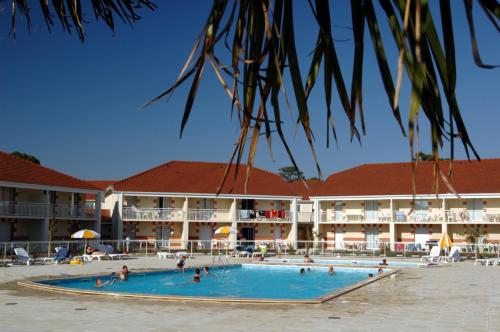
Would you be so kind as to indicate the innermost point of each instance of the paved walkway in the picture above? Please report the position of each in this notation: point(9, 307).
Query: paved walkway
point(455, 297)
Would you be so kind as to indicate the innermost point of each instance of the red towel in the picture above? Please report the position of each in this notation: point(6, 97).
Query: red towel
point(275, 213)
point(268, 214)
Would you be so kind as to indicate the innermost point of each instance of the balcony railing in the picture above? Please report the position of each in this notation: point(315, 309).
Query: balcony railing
point(209, 214)
point(264, 215)
point(337, 216)
point(305, 217)
point(42, 210)
point(152, 214)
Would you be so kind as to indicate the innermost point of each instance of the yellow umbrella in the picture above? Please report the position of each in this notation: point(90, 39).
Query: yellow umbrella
point(85, 234)
point(226, 230)
point(445, 241)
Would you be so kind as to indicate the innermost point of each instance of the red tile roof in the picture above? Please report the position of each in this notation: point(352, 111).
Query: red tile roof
point(204, 177)
point(396, 178)
point(312, 186)
point(101, 184)
point(14, 169)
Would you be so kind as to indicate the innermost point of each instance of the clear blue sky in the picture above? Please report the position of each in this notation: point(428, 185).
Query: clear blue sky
point(76, 106)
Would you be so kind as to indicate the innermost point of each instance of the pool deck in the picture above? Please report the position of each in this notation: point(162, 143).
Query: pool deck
point(454, 297)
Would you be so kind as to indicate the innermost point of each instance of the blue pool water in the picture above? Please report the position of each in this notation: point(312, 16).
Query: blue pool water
point(346, 262)
point(241, 281)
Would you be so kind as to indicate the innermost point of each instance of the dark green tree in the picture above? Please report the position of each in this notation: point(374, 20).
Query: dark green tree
point(290, 173)
point(26, 156)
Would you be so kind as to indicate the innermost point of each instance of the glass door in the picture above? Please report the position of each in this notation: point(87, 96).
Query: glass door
point(371, 210)
point(163, 235)
point(421, 210)
point(339, 211)
point(372, 241)
point(474, 210)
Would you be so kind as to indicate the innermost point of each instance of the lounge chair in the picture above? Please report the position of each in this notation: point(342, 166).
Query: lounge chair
point(453, 256)
point(433, 255)
point(62, 254)
point(22, 256)
point(164, 255)
point(90, 258)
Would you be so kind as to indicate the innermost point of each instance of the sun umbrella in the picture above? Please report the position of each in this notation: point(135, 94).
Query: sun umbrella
point(85, 234)
point(445, 241)
point(226, 230)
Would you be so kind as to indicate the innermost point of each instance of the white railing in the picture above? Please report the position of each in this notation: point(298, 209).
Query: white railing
point(264, 215)
point(209, 214)
point(305, 217)
point(337, 216)
point(42, 210)
point(137, 248)
point(152, 214)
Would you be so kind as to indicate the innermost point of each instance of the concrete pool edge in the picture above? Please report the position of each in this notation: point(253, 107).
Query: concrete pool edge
point(34, 284)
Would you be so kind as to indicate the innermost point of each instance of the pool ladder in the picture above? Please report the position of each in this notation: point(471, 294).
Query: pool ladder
point(221, 260)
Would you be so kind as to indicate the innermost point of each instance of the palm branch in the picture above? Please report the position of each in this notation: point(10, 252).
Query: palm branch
point(259, 47)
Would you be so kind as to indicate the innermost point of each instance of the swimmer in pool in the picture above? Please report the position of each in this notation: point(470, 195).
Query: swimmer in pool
point(331, 270)
point(197, 276)
point(99, 283)
point(302, 271)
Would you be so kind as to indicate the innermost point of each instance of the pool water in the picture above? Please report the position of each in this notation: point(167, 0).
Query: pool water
point(347, 262)
point(247, 281)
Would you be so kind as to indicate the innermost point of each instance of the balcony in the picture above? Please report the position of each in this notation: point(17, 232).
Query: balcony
point(305, 217)
point(209, 214)
point(42, 210)
point(329, 216)
point(264, 215)
point(152, 214)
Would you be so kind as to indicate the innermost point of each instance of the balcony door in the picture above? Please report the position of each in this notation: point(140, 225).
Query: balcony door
point(339, 238)
point(371, 210)
point(421, 236)
point(163, 235)
point(421, 210)
point(277, 232)
point(475, 209)
point(205, 234)
point(371, 237)
point(339, 211)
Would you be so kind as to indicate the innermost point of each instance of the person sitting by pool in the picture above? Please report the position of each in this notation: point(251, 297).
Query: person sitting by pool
point(92, 251)
point(197, 276)
point(370, 275)
point(99, 283)
point(331, 270)
point(384, 262)
point(302, 271)
point(181, 262)
point(308, 259)
point(380, 271)
point(205, 270)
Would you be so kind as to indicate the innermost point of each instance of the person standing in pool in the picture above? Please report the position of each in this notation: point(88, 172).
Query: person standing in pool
point(197, 276)
point(331, 271)
point(302, 271)
point(181, 263)
point(124, 273)
point(384, 262)
point(205, 270)
point(380, 271)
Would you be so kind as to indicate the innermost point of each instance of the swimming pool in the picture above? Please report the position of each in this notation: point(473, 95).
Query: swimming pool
point(346, 262)
point(257, 282)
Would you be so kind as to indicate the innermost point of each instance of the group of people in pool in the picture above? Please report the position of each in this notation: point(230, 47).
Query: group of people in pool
point(331, 271)
point(123, 276)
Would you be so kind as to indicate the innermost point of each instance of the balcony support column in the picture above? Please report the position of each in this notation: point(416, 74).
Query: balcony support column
point(45, 222)
point(293, 231)
point(233, 238)
point(97, 225)
point(392, 235)
point(117, 218)
point(317, 215)
point(185, 224)
point(392, 210)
